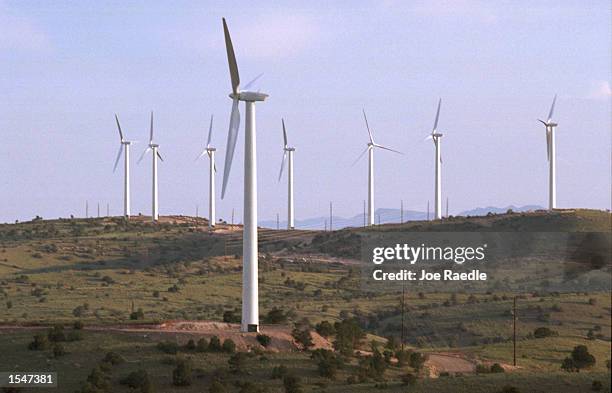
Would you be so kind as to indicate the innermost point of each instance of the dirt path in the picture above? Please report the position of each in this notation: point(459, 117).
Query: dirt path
point(450, 363)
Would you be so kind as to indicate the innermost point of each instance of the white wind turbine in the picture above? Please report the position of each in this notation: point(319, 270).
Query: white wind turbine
point(550, 149)
point(370, 150)
point(288, 152)
point(125, 145)
point(154, 148)
point(211, 176)
point(250, 293)
point(437, 139)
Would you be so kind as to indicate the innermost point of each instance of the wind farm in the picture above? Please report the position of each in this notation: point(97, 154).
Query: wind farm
point(271, 289)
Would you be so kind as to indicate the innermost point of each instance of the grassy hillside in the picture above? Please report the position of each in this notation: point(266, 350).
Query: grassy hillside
point(100, 271)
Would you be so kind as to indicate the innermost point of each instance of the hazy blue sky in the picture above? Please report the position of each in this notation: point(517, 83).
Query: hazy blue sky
point(67, 67)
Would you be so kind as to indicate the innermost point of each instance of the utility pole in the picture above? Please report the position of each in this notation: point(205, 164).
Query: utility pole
point(331, 220)
point(326, 225)
point(86, 209)
point(378, 218)
point(98, 209)
point(197, 211)
point(403, 300)
point(277, 222)
point(427, 210)
point(402, 211)
point(232, 217)
point(514, 331)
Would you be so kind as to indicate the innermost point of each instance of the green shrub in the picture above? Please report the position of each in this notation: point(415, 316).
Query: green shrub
point(40, 343)
point(202, 345)
point(409, 379)
point(237, 362)
point(181, 375)
point(113, 358)
point(597, 386)
point(497, 368)
point(543, 332)
point(327, 362)
point(58, 350)
point(325, 329)
point(292, 384)
point(168, 347)
point(264, 340)
point(217, 387)
point(138, 380)
point(191, 345)
point(278, 372)
point(215, 344)
point(303, 337)
point(229, 346)
point(56, 333)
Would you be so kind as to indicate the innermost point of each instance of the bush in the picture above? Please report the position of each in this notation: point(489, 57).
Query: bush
point(217, 387)
point(543, 332)
point(215, 344)
point(509, 389)
point(229, 346)
point(181, 375)
point(202, 345)
point(168, 347)
point(497, 368)
point(580, 358)
point(327, 362)
point(75, 335)
point(139, 380)
point(231, 317)
point(275, 316)
point(264, 340)
point(191, 345)
point(292, 384)
point(303, 338)
point(99, 379)
point(597, 386)
point(40, 343)
point(348, 335)
point(58, 350)
point(137, 315)
point(325, 329)
point(279, 372)
point(78, 325)
point(417, 360)
point(113, 358)
point(409, 379)
point(56, 334)
point(237, 362)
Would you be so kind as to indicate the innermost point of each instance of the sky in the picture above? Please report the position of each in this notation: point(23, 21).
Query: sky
point(67, 67)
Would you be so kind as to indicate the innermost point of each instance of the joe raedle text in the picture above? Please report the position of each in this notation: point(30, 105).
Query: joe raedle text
point(396, 258)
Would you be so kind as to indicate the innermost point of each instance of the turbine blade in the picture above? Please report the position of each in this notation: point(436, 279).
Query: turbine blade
point(201, 155)
point(543, 122)
point(231, 59)
point(119, 127)
point(368, 126)
point(232, 138)
point(118, 157)
point(361, 155)
point(280, 174)
point(143, 154)
point(151, 132)
point(552, 109)
point(209, 132)
point(159, 155)
point(428, 137)
point(435, 127)
point(284, 132)
point(387, 148)
point(215, 167)
point(248, 85)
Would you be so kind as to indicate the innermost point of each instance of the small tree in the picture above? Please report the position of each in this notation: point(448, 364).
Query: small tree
point(217, 387)
point(181, 376)
point(191, 345)
point(325, 329)
point(292, 384)
point(303, 337)
point(202, 345)
point(58, 350)
point(409, 379)
point(237, 362)
point(56, 333)
point(215, 344)
point(580, 358)
point(229, 346)
point(417, 360)
point(40, 343)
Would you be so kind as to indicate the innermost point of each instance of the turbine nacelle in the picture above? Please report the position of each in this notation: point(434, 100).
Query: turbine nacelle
point(251, 96)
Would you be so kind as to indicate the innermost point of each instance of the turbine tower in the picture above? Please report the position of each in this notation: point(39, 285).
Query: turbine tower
point(437, 139)
point(250, 293)
point(550, 149)
point(370, 150)
point(154, 148)
point(211, 176)
point(288, 151)
point(124, 146)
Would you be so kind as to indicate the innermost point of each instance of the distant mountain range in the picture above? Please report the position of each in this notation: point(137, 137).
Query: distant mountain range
point(387, 216)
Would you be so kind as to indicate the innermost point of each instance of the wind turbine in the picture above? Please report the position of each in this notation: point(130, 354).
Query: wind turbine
point(437, 139)
point(124, 146)
point(288, 151)
point(211, 176)
point(370, 150)
point(154, 148)
point(250, 294)
point(550, 149)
